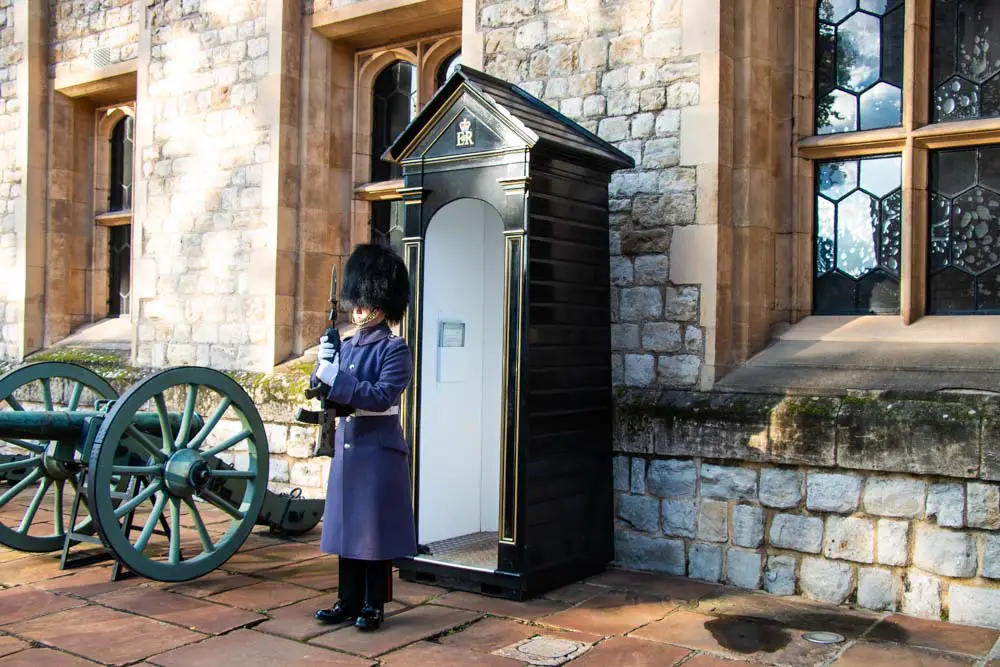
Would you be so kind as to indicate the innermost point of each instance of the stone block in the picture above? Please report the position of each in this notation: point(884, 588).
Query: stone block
point(640, 552)
point(832, 492)
point(622, 271)
point(679, 517)
point(678, 371)
point(638, 483)
point(946, 505)
point(652, 269)
point(641, 304)
point(779, 579)
point(748, 526)
point(640, 512)
point(799, 533)
point(917, 437)
point(593, 53)
point(713, 426)
point(893, 542)
point(661, 153)
point(681, 304)
point(674, 478)
point(802, 431)
point(743, 568)
point(668, 122)
point(640, 370)
point(972, 605)
point(705, 562)
point(278, 470)
point(713, 521)
point(728, 483)
point(620, 467)
point(894, 497)
point(826, 580)
point(661, 337)
point(991, 556)
point(694, 341)
point(642, 125)
point(625, 337)
point(983, 506)
point(781, 489)
point(633, 434)
point(850, 538)
point(945, 552)
point(921, 595)
point(613, 129)
point(877, 589)
point(644, 241)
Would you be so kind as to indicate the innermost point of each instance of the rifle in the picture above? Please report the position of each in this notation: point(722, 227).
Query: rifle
point(326, 418)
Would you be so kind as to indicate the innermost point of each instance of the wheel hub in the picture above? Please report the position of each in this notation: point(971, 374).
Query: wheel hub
point(185, 472)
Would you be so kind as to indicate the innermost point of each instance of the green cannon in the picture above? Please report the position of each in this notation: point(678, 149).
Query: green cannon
point(170, 477)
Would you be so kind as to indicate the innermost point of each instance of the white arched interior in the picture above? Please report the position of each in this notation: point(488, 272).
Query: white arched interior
point(461, 385)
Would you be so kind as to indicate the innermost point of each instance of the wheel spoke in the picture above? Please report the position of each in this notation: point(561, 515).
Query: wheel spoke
point(175, 531)
point(57, 508)
point(189, 405)
point(14, 404)
point(36, 502)
point(136, 470)
point(199, 525)
point(233, 474)
point(146, 443)
point(47, 394)
point(138, 499)
point(151, 521)
point(230, 442)
point(29, 479)
point(222, 504)
point(211, 423)
point(165, 433)
point(74, 398)
point(30, 446)
point(20, 463)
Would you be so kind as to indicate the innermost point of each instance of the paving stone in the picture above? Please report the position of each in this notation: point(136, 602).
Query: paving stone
point(631, 652)
point(779, 577)
point(426, 653)
point(528, 610)
point(248, 648)
point(798, 613)
point(268, 557)
point(404, 628)
point(743, 568)
point(894, 497)
point(713, 521)
point(946, 552)
point(748, 526)
point(800, 533)
point(946, 505)
point(574, 593)
point(877, 589)
point(935, 635)
point(830, 492)
point(705, 562)
point(88, 582)
point(44, 657)
point(893, 542)
point(728, 482)
point(704, 660)
point(850, 538)
point(30, 570)
point(922, 595)
point(97, 633)
point(673, 478)
point(612, 613)
point(679, 517)
point(265, 595)
point(544, 651)
point(191, 613)
point(983, 506)
point(9, 645)
point(866, 655)
point(296, 620)
point(973, 605)
point(212, 583)
point(410, 593)
point(780, 488)
point(668, 588)
point(23, 603)
point(490, 634)
point(824, 580)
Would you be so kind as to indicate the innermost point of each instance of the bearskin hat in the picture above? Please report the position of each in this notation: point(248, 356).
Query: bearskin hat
point(376, 277)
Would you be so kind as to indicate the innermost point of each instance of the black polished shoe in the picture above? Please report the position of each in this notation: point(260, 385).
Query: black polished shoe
point(370, 618)
point(338, 613)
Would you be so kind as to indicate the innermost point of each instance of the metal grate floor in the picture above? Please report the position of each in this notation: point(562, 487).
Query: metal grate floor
point(473, 550)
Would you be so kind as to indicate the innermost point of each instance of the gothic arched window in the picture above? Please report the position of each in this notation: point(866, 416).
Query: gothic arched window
point(120, 186)
point(448, 68)
point(394, 104)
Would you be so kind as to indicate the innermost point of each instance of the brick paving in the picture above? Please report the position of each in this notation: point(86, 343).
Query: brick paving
point(257, 610)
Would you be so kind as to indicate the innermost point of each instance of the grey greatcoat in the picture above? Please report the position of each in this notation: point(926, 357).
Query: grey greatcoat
point(368, 513)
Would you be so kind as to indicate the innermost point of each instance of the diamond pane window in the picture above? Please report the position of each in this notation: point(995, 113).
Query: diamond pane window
point(394, 104)
point(965, 231)
point(858, 214)
point(859, 65)
point(965, 60)
point(447, 68)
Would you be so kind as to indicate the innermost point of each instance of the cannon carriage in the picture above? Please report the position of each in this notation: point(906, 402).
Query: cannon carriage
point(170, 477)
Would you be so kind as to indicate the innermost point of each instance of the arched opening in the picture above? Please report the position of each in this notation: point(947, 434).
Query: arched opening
point(447, 68)
point(461, 384)
point(120, 187)
point(120, 199)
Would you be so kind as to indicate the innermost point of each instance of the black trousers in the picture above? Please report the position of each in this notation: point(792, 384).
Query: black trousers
point(365, 582)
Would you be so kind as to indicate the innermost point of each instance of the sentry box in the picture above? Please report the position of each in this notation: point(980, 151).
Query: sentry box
point(509, 415)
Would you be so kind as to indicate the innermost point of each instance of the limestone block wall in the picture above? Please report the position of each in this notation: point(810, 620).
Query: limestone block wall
point(11, 178)
point(85, 35)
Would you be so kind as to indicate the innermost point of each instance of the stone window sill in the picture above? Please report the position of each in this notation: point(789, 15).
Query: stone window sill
point(114, 218)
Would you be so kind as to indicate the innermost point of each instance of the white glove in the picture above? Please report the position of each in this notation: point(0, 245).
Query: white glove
point(327, 351)
point(326, 371)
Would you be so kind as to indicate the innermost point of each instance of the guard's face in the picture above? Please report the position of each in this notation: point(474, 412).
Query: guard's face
point(366, 316)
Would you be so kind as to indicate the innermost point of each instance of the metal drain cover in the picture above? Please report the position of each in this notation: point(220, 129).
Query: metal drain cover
point(823, 637)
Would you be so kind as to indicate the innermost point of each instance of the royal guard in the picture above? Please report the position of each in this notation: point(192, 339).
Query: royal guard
point(368, 518)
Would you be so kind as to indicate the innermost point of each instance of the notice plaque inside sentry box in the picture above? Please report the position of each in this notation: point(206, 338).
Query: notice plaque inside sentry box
point(451, 352)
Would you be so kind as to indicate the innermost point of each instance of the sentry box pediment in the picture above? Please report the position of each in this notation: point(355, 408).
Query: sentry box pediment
point(509, 415)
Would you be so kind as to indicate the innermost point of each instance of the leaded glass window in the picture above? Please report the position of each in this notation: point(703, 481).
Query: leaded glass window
point(965, 231)
point(120, 187)
point(858, 211)
point(965, 60)
point(447, 68)
point(387, 223)
point(394, 104)
point(859, 65)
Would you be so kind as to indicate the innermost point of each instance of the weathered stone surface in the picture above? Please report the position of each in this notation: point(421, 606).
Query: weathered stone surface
point(946, 505)
point(645, 241)
point(640, 512)
point(800, 533)
point(679, 517)
point(694, 340)
point(922, 595)
point(877, 589)
point(946, 552)
point(652, 269)
point(681, 304)
point(832, 492)
point(641, 304)
point(638, 482)
point(712, 425)
point(748, 526)
point(973, 605)
point(743, 568)
point(625, 337)
point(779, 579)
point(728, 483)
point(991, 556)
point(678, 371)
point(640, 370)
point(780, 488)
point(894, 497)
point(802, 431)
point(661, 336)
point(675, 478)
point(705, 562)
point(640, 552)
point(826, 580)
point(921, 437)
point(620, 467)
point(991, 442)
point(713, 521)
point(893, 542)
point(983, 506)
point(633, 433)
point(850, 538)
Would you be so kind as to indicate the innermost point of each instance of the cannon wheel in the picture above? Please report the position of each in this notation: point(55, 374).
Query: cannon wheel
point(35, 479)
point(212, 508)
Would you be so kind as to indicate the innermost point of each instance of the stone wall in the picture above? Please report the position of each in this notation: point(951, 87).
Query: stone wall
point(623, 71)
point(87, 35)
point(11, 178)
point(890, 503)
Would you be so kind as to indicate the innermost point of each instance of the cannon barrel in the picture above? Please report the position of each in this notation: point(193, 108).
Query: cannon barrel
point(73, 426)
